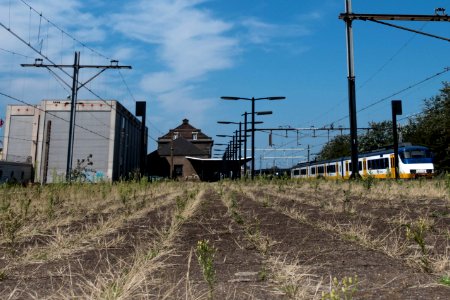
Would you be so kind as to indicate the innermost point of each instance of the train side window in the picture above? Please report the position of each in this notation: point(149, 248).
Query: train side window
point(331, 169)
point(320, 169)
point(303, 172)
point(296, 172)
point(313, 170)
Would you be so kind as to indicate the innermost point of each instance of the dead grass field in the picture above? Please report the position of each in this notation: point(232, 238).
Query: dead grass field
point(268, 239)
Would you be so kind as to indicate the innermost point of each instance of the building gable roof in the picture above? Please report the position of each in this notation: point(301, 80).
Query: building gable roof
point(181, 147)
point(185, 130)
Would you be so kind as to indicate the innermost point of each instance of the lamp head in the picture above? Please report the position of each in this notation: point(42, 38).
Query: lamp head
point(267, 112)
point(276, 98)
point(229, 98)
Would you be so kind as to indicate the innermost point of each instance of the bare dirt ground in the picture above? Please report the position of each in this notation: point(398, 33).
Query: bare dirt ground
point(266, 240)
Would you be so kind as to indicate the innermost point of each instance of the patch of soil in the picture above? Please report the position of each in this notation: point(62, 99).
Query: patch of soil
point(238, 264)
point(66, 276)
point(329, 256)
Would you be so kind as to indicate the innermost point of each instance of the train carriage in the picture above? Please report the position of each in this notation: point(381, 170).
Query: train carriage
point(414, 161)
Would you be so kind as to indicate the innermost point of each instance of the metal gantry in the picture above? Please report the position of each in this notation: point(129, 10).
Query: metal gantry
point(348, 17)
point(75, 87)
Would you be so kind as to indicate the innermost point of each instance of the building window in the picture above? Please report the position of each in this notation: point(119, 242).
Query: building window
point(178, 170)
point(175, 135)
point(194, 136)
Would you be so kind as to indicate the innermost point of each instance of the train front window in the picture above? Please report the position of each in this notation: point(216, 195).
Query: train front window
point(415, 156)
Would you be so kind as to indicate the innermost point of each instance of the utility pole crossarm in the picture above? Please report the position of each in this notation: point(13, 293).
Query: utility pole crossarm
point(396, 17)
point(76, 85)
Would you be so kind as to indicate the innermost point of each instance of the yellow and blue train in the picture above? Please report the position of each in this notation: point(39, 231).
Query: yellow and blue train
point(414, 162)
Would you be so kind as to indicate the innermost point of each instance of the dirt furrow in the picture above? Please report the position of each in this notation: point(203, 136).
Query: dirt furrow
point(79, 274)
point(237, 263)
point(328, 256)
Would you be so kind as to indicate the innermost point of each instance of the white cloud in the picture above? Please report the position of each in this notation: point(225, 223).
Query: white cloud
point(191, 41)
point(259, 32)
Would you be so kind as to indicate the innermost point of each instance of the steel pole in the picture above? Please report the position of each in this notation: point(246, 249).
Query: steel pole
point(351, 92)
point(73, 110)
point(240, 147)
point(245, 145)
point(253, 139)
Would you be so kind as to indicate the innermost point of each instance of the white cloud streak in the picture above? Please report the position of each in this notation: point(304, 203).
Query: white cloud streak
point(191, 41)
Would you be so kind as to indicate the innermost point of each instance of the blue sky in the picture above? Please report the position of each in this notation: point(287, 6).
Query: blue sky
point(185, 54)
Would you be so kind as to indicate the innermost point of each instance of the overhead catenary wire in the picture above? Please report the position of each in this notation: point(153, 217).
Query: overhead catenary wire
point(446, 69)
point(15, 53)
point(63, 31)
point(58, 78)
point(411, 30)
point(371, 77)
point(56, 116)
point(134, 99)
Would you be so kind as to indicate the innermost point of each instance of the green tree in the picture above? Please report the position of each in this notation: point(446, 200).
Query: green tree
point(432, 128)
point(337, 147)
point(380, 135)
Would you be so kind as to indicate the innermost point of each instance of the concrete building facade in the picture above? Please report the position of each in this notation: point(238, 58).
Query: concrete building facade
point(106, 133)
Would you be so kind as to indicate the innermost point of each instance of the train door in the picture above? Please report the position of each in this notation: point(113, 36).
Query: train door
point(364, 167)
point(391, 167)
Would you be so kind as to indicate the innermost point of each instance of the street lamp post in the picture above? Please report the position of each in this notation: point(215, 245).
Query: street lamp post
point(244, 136)
point(253, 99)
point(229, 154)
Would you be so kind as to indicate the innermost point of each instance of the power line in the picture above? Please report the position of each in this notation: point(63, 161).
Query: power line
point(398, 92)
point(412, 30)
point(63, 31)
point(15, 53)
point(132, 96)
point(56, 116)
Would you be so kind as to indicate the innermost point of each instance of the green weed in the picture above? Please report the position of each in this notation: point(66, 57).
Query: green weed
point(205, 254)
point(343, 289)
point(417, 232)
point(445, 280)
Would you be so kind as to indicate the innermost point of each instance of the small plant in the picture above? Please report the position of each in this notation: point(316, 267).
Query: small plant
point(417, 232)
point(3, 275)
point(445, 280)
point(205, 255)
point(10, 222)
point(83, 171)
point(290, 290)
point(181, 203)
point(368, 182)
point(346, 203)
point(263, 274)
point(343, 289)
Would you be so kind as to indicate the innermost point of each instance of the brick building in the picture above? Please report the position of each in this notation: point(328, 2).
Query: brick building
point(175, 152)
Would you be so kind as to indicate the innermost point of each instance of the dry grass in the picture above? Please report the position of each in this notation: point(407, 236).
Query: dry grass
point(288, 277)
point(344, 197)
point(41, 224)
